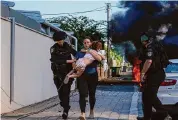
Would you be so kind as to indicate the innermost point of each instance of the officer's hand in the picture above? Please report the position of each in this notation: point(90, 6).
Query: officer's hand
point(74, 60)
point(71, 61)
point(142, 78)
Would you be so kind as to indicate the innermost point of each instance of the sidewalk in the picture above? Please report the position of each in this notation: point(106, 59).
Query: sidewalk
point(113, 103)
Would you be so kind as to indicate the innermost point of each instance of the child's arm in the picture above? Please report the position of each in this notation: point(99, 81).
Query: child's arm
point(71, 72)
point(102, 56)
point(95, 55)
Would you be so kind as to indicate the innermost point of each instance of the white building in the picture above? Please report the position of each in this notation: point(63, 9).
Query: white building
point(26, 76)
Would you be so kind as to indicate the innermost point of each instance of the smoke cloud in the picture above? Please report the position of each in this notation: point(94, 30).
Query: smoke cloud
point(137, 17)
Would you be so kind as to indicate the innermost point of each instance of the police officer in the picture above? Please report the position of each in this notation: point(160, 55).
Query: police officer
point(61, 64)
point(152, 75)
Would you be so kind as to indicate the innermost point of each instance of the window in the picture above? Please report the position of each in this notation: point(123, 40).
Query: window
point(172, 68)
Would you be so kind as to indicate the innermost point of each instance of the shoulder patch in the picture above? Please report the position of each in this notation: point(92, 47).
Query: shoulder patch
point(51, 50)
point(149, 54)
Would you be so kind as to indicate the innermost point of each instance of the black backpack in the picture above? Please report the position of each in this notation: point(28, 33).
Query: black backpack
point(163, 58)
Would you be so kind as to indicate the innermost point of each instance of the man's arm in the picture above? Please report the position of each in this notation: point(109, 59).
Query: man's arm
point(57, 60)
point(149, 60)
point(73, 51)
point(146, 66)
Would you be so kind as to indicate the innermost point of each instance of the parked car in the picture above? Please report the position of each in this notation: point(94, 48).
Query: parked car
point(168, 91)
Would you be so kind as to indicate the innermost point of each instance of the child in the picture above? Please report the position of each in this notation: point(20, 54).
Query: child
point(82, 62)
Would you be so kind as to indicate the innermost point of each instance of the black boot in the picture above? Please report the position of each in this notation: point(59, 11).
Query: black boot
point(65, 113)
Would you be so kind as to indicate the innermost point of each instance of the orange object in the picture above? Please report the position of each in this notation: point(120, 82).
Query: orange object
point(136, 69)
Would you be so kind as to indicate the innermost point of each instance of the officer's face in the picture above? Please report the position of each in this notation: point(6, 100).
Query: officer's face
point(87, 43)
point(60, 42)
point(144, 43)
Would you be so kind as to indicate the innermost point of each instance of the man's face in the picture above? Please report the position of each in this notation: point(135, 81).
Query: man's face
point(87, 43)
point(60, 42)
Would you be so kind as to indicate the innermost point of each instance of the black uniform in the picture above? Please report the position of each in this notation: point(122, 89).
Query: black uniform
point(59, 56)
point(155, 76)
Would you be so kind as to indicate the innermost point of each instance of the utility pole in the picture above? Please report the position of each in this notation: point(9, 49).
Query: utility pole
point(108, 6)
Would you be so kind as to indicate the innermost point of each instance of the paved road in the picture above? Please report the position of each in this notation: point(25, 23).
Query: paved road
point(113, 102)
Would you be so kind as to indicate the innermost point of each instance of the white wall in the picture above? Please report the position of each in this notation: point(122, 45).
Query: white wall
point(33, 76)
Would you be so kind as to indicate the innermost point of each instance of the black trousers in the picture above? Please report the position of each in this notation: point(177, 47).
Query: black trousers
point(149, 96)
point(87, 84)
point(63, 91)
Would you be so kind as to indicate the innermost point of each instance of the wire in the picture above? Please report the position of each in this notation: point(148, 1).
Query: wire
point(94, 10)
point(73, 13)
point(78, 12)
point(9, 97)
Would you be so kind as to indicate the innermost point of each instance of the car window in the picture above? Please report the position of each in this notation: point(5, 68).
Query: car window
point(172, 68)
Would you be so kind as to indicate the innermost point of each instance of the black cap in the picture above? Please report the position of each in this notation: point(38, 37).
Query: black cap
point(57, 36)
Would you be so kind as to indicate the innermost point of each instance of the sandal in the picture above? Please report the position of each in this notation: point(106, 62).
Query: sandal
point(91, 116)
point(82, 118)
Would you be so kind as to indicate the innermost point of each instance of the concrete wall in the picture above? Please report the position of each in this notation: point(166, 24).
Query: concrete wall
point(32, 71)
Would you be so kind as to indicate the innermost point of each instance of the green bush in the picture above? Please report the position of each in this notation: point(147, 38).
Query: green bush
point(114, 55)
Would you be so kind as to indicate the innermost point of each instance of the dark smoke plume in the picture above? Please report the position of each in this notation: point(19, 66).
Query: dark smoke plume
point(137, 17)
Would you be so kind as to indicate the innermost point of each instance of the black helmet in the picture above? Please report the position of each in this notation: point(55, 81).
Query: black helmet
point(57, 36)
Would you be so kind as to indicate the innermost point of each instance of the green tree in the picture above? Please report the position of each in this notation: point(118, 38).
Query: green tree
point(81, 26)
point(114, 55)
